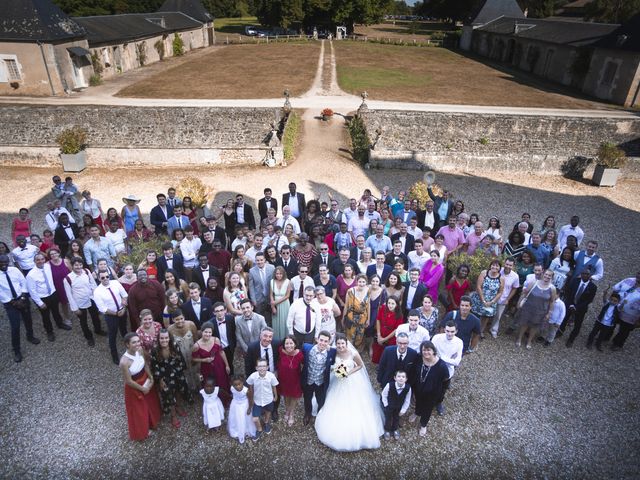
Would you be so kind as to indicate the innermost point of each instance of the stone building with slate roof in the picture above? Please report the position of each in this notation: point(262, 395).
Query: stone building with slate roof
point(600, 60)
point(45, 52)
point(42, 51)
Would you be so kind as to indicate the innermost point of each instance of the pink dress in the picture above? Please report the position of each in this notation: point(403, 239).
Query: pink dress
point(58, 272)
point(21, 228)
point(431, 278)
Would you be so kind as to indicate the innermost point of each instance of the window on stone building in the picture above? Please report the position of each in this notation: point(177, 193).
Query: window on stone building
point(11, 70)
point(610, 71)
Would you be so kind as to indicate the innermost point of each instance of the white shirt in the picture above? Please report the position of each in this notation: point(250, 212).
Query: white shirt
point(384, 396)
point(567, 230)
point(417, 261)
point(416, 337)
point(269, 349)
point(238, 241)
point(197, 306)
point(295, 285)
point(251, 253)
point(325, 314)
point(117, 238)
point(357, 226)
point(415, 232)
point(297, 318)
point(92, 208)
point(262, 387)
point(290, 220)
point(205, 274)
point(17, 280)
point(240, 213)
point(40, 283)
point(372, 215)
point(411, 292)
point(447, 349)
point(52, 217)
point(24, 257)
point(79, 290)
point(429, 220)
point(293, 205)
point(189, 250)
point(349, 214)
point(558, 313)
point(222, 329)
point(104, 299)
point(511, 281)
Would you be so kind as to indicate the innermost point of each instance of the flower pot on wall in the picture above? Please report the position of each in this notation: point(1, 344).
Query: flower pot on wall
point(74, 162)
point(605, 177)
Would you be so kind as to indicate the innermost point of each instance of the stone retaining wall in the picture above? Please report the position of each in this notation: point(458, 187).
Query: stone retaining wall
point(498, 142)
point(138, 135)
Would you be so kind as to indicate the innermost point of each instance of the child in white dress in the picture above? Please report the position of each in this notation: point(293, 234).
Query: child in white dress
point(240, 424)
point(212, 409)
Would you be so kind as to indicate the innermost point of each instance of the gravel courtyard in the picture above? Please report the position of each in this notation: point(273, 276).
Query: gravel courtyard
point(545, 413)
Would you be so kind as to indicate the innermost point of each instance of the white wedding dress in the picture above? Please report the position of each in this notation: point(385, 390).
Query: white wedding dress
point(351, 418)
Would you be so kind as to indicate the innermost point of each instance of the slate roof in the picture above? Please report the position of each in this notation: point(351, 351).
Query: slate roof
point(108, 29)
point(33, 20)
point(551, 31)
point(192, 8)
point(488, 10)
point(625, 37)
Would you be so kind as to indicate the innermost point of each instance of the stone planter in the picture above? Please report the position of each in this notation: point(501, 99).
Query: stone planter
point(605, 177)
point(74, 162)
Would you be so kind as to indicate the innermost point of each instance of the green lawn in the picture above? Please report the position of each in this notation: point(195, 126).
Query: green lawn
point(233, 25)
point(357, 79)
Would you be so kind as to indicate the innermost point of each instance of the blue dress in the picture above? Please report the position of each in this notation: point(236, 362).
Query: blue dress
point(130, 218)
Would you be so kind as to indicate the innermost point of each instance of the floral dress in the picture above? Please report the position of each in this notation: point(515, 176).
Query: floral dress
point(356, 317)
point(490, 288)
point(172, 371)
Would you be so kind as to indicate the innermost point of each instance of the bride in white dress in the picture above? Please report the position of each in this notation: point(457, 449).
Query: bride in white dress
point(351, 418)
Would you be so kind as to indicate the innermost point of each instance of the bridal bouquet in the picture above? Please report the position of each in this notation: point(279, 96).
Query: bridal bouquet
point(341, 371)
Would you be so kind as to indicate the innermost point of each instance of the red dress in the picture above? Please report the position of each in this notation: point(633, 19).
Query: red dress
point(289, 374)
point(215, 369)
point(457, 291)
point(388, 323)
point(21, 228)
point(143, 411)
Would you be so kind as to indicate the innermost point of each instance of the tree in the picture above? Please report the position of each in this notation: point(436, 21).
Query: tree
point(280, 13)
point(400, 7)
point(611, 11)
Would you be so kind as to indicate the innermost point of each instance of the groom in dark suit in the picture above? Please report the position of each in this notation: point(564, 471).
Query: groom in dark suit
point(315, 372)
point(396, 357)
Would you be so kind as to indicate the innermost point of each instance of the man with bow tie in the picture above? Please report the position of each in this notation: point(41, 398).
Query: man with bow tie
point(224, 328)
point(198, 308)
point(24, 254)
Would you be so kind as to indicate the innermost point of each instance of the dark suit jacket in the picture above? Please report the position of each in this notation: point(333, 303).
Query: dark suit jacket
point(249, 219)
point(61, 239)
point(178, 266)
point(421, 291)
point(390, 259)
point(409, 245)
point(585, 299)
point(386, 271)
point(206, 311)
point(254, 353)
point(199, 279)
point(389, 364)
point(262, 207)
point(353, 253)
point(157, 218)
point(218, 234)
point(331, 356)
point(302, 204)
point(230, 322)
point(317, 260)
point(292, 268)
point(337, 267)
point(616, 314)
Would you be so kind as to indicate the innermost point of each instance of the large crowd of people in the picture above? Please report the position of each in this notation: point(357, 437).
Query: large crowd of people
point(293, 303)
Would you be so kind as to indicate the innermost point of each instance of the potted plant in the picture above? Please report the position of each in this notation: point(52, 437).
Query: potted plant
point(73, 144)
point(609, 161)
point(327, 113)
